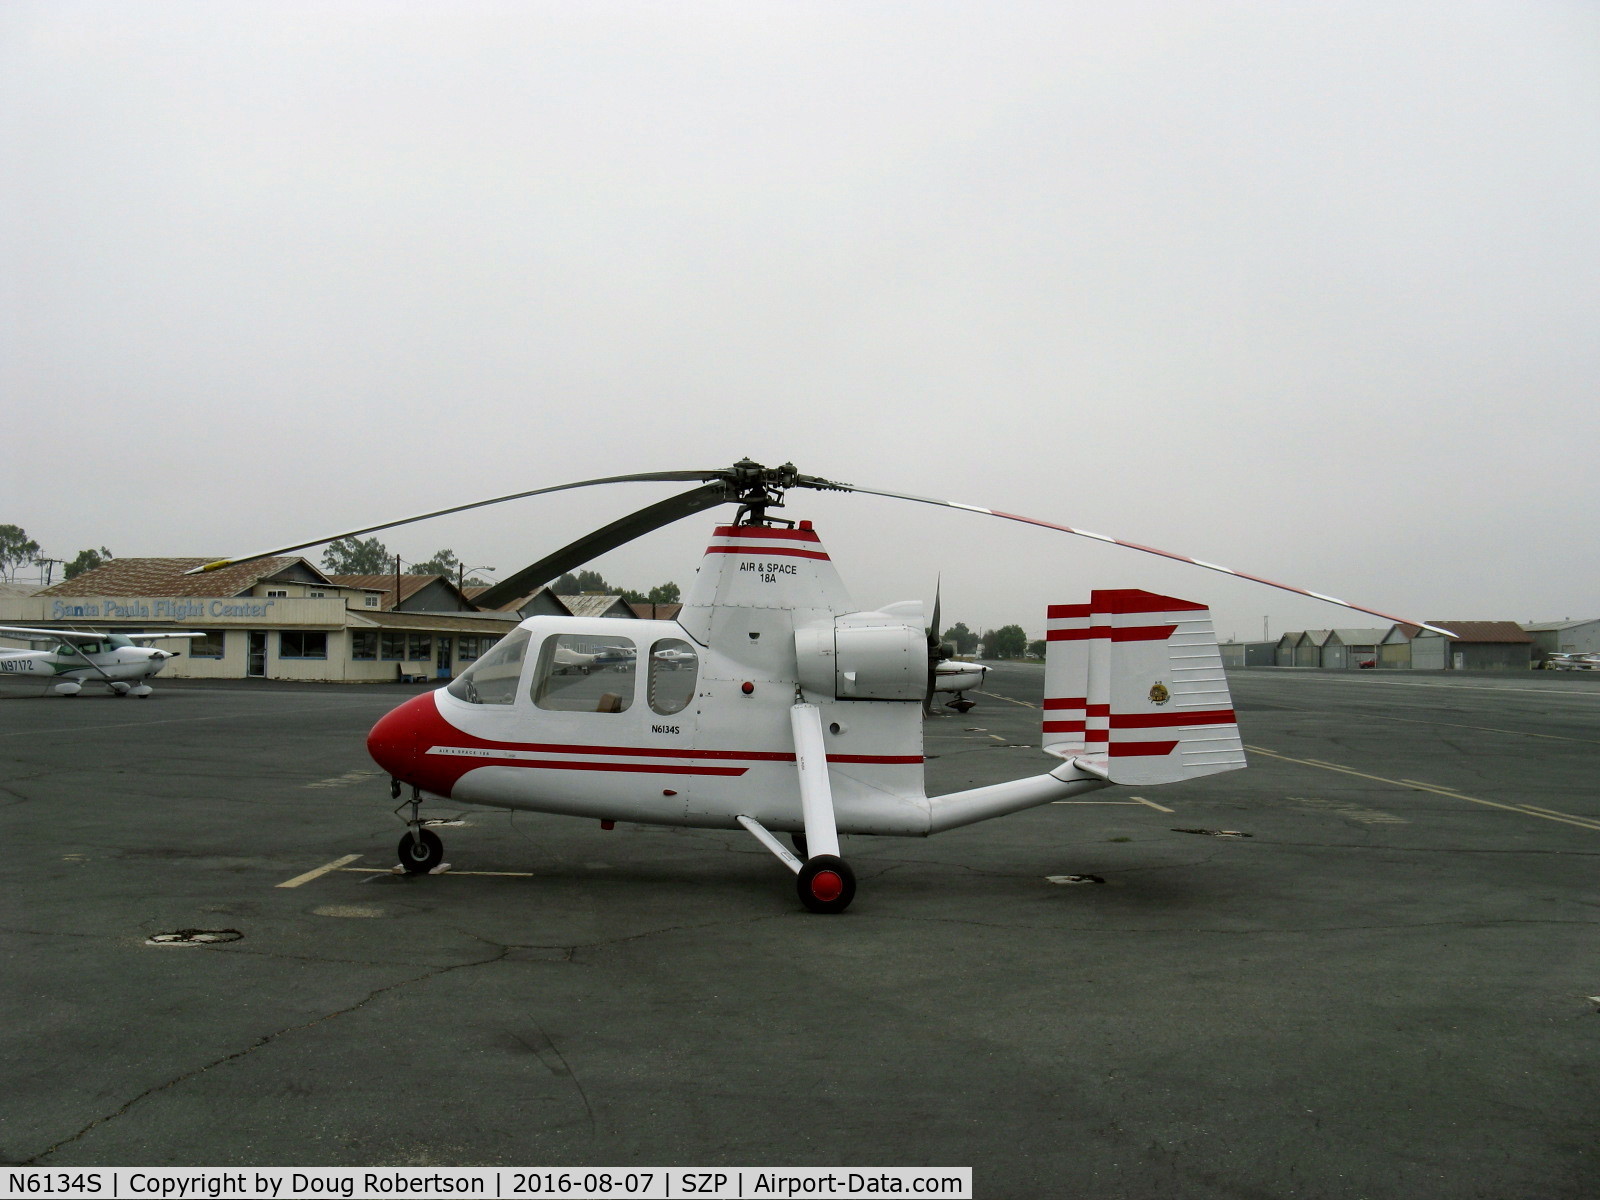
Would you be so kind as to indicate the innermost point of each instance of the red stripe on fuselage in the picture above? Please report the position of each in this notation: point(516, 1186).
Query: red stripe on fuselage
point(767, 552)
point(765, 531)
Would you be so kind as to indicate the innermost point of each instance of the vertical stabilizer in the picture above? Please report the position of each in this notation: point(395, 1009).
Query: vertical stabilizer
point(1135, 690)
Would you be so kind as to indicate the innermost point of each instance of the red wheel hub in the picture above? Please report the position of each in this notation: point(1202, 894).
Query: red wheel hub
point(827, 886)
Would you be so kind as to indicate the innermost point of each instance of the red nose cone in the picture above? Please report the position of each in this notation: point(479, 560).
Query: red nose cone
point(393, 740)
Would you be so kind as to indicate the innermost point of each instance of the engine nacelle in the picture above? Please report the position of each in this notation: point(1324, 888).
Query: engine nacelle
point(863, 656)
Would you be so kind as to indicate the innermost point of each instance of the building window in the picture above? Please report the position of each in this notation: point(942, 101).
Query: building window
point(467, 648)
point(394, 647)
point(280, 592)
point(371, 601)
point(419, 647)
point(315, 595)
point(210, 644)
point(364, 644)
point(302, 643)
point(586, 673)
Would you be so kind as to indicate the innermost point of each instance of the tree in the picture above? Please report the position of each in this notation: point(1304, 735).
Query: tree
point(357, 556)
point(962, 638)
point(664, 593)
point(87, 560)
point(591, 581)
point(443, 562)
point(1009, 641)
point(1037, 648)
point(16, 549)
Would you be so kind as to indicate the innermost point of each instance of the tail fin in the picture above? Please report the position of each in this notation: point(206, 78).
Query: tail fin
point(1135, 691)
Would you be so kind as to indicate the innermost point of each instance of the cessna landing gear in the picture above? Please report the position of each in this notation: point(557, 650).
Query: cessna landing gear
point(961, 704)
point(826, 884)
point(420, 851)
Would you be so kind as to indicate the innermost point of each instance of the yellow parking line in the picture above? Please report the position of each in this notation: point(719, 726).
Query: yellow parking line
point(322, 870)
point(1426, 787)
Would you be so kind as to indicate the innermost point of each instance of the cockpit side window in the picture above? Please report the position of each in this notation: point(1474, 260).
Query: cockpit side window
point(493, 678)
point(674, 668)
point(586, 672)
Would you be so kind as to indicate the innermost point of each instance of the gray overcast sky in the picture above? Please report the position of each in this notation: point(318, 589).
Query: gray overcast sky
point(1308, 290)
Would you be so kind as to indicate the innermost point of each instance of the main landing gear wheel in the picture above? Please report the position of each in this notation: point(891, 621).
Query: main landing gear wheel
point(826, 884)
point(420, 851)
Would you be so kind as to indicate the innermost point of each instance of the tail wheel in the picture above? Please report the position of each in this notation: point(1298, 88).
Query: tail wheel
point(826, 884)
point(420, 851)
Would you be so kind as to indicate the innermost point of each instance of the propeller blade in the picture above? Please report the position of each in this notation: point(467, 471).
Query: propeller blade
point(646, 477)
point(592, 545)
point(934, 655)
point(1100, 537)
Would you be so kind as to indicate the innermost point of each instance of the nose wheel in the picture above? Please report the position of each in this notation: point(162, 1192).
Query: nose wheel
point(420, 851)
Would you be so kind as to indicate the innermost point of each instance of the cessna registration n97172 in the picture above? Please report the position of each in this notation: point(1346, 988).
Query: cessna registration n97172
point(73, 658)
point(772, 703)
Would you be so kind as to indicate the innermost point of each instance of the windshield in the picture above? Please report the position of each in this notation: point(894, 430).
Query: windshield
point(493, 678)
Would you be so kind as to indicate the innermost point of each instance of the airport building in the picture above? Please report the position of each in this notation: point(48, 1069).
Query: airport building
point(1564, 637)
point(275, 618)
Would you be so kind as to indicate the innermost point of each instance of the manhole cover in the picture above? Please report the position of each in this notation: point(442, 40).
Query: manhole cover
point(1065, 880)
point(1215, 832)
point(193, 937)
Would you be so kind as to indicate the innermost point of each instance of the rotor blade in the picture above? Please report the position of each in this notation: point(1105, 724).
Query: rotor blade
point(592, 545)
point(1183, 558)
point(647, 477)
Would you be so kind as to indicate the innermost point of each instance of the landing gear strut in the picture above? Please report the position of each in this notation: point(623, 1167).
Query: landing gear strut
point(420, 849)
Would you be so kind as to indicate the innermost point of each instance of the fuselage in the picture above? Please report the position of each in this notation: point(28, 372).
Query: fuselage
point(113, 659)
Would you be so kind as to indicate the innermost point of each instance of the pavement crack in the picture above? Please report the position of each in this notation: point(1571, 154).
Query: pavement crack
point(259, 1044)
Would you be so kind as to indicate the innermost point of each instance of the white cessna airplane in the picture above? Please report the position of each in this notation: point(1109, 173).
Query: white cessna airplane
point(73, 657)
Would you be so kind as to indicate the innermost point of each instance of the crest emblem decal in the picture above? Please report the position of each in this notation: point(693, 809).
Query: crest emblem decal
point(1159, 694)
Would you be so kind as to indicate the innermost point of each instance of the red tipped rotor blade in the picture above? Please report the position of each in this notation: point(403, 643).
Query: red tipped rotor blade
point(1183, 558)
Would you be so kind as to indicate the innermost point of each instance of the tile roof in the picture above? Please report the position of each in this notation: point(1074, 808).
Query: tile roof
point(591, 605)
point(1486, 631)
point(165, 577)
point(646, 611)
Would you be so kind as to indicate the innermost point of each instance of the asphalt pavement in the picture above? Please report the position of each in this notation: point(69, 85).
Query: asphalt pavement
point(1365, 967)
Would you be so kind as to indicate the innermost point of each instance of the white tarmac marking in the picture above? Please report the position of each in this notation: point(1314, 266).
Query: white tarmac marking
point(320, 871)
point(1131, 800)
point(1522, 810)
point(1007, 699)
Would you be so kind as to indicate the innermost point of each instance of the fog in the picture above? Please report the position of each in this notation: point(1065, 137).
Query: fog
point(1309, 291)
